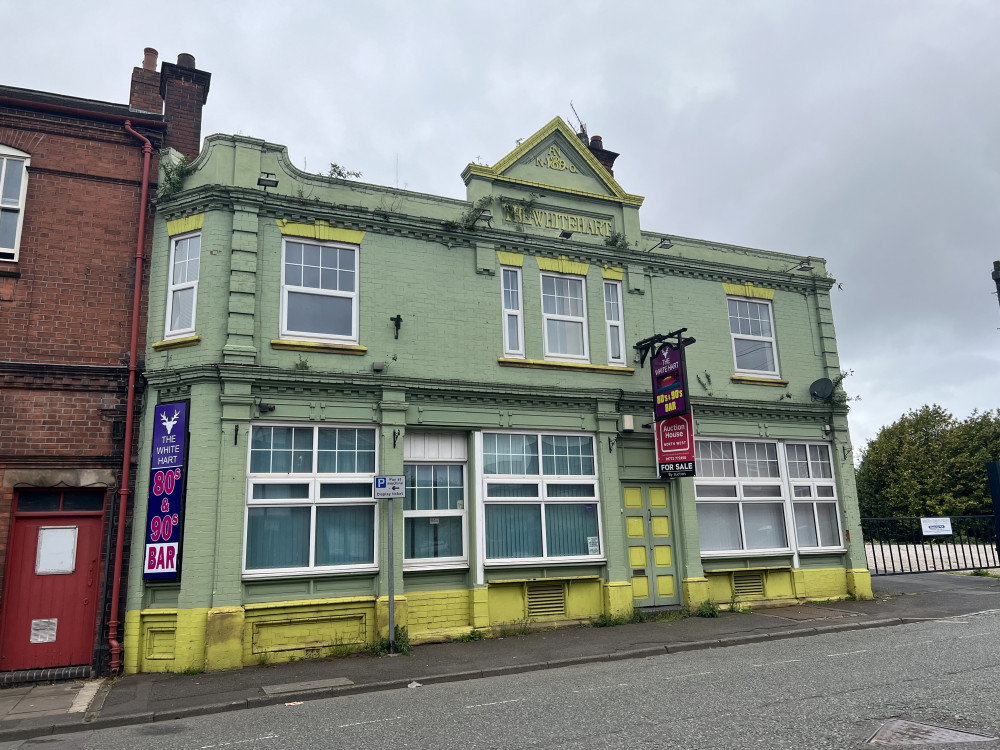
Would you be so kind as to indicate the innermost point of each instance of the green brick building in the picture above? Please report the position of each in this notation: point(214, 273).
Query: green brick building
point(323, 331)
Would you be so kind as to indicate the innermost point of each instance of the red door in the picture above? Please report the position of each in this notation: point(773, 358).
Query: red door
point(51, 584)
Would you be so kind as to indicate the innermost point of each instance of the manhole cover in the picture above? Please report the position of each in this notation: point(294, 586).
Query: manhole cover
point(899, 732)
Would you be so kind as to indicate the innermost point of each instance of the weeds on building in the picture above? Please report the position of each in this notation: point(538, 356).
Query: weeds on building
point(472, 635)
point(707, 608)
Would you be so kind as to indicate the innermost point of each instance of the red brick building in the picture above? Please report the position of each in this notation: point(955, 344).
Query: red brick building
point(76, 181)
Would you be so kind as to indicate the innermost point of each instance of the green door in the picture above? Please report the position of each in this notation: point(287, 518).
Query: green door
point(649, 541)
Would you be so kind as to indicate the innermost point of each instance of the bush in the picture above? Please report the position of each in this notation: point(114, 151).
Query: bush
point(707, 609)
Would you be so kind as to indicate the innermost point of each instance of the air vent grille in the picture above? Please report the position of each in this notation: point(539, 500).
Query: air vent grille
point(748, 584)
point(546, 600)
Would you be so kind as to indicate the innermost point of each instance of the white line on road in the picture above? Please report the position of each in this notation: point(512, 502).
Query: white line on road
point(373, 721)
point(776, 663)
point(84, 697)
point(601, 687)
point(849, 653)
point(496, 703)
point(240, 742)
point(682, 676)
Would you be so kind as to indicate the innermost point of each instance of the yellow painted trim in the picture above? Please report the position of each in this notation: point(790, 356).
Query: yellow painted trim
point(162, 346)
point(859, 583)
point(695, 591)
point(510, 259)
point(541, 364)
point(749, 380)
point(185, 225)
point(314, 346)
point(562, 264)
point(320, 230)
point(748, 290)
point(309, 603)
point(551, 579)
point(612, 274)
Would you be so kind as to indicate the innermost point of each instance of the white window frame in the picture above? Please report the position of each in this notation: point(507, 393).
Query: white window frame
point(546, 317)
point(813, 483)
point(8, 154)
point(740, 498)
point(173, 288)
point(770, 340)
point(542, 499)
point(615, 328)
point(354, 296)
point(313, 479)
point(509, 349)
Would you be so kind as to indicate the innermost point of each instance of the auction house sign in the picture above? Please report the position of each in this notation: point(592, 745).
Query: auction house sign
point(675, 447)
point(669, 382)
point(166, 492)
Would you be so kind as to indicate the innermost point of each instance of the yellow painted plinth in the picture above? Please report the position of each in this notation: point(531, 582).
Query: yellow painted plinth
point(224, 638)
point(859, 583)
point(618, 599)
point(695, 591)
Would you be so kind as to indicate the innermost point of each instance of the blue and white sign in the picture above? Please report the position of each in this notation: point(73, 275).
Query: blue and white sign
point(935, 526)
point(389, 487)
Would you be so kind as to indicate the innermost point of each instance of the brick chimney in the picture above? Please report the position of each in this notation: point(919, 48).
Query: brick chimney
point(144, 94)
point(606, 158)
point(184, 90)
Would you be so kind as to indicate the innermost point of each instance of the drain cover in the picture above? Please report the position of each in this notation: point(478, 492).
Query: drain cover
point(899, 732)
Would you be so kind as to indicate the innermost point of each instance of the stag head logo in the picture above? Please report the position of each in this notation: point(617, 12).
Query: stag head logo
point(169, 423)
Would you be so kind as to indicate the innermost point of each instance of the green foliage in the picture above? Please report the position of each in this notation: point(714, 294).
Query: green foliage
point(513, 628)
point(618, 240)
point(381, 645)
point(191, 671)
point(468, 219)
point(302, 364)
point(928, 463)
point(979, 572)
point(707, 608)
point(472, 635)
point(342, 173)
point(172, 174)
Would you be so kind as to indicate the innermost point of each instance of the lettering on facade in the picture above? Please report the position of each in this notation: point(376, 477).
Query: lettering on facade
point(555, 160)
point(555, 220)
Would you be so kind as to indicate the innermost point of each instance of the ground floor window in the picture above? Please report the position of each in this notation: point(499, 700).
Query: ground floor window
point(540, 498)
point(309, 500)
point(814, 495)
point(434, 509)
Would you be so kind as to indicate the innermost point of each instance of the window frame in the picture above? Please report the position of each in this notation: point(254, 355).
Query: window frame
point(7, 153)
point(740, 499)
point(582, 320)
point(172, 289)
point(814, 499)
point(508, 312)
point(619, 324)
point(438, 563)
point(542, 499)
point(285, 331)
point(771, 340)
point(313, 479)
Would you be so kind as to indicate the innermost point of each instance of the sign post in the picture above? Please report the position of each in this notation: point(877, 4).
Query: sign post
point(388, 488)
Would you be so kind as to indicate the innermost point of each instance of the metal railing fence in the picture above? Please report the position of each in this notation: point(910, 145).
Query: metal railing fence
point(897, 545)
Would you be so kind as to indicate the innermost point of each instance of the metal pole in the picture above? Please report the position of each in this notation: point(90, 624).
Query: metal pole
point(993, 480)
point(392, 586)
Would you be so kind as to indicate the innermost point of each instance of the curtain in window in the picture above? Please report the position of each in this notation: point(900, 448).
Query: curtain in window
point(277, 538)
point(513, 530)
point(719, 526)
point(424, 538)
point(805, 525)
point(345, 535)
point(765, 525)
point(569, 529)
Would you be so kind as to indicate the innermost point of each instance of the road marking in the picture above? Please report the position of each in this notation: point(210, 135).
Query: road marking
point(84, 697)
point(496, 703)
point(776, 663)
point(373, 721)
point(682, 676)
point(240, 742)
point(601, 687)
point(974, 635)
point(849, 653)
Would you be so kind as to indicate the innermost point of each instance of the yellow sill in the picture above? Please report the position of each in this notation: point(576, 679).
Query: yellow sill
point(162, 346)
point(748, 380)
point(313, 346)
point(541, 364)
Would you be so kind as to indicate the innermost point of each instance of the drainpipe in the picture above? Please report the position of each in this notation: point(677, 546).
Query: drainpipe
point(123, 491)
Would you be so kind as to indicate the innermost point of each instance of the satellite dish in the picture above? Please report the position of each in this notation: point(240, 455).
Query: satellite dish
point(821, 389)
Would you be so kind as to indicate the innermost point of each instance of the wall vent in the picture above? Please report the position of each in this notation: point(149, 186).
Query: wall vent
point(748, 584)
point(546, 600)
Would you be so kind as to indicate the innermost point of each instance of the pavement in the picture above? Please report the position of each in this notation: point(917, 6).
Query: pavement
point(45, 709)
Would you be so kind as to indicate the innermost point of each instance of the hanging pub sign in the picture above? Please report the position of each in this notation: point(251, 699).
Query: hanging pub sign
point(162, 555)
point(669, 382)
point(675, 447)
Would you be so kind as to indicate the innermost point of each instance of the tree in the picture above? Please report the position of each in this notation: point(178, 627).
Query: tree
point(927, 463)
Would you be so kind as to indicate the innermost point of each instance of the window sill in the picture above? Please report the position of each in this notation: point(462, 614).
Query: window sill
point(10, 268)
point(315, 346)
point(546, 562)
point(747, 553)
point(162, 346)
point(753, 380)
point(271, 575)
point(541, 364)
point(823, 551)
point(429, 567)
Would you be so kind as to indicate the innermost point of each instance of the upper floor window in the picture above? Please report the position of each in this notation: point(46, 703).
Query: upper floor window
point(752, 329)
point(13, 187)
point(513, 314)
point(182, 286)
point(564, 314)
point(613, 319)
point(319, 291)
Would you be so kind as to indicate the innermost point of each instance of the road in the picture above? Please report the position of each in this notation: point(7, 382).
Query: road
point(825, 691)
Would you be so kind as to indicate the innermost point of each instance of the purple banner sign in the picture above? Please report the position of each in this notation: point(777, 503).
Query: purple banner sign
point(166, 492)
point(669, 386)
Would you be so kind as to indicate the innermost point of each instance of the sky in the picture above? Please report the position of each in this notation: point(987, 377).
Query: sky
point(865, 132)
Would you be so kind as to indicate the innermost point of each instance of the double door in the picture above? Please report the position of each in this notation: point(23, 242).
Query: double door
point(649, 543)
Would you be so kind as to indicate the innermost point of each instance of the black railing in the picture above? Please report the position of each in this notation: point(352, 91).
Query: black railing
point(898, 545)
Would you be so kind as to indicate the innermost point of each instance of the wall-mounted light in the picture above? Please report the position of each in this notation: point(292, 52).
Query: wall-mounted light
point(565, 234)
point(664, 243)
point(264, 408)
point(266, 180)
point(486, 215)
point(802, 265)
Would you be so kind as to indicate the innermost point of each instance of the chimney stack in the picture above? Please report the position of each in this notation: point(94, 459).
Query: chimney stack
point(184, 89)
point(144, 93)
point(606, 158)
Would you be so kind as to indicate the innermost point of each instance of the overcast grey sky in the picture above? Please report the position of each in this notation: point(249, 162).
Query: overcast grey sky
point(866, 132)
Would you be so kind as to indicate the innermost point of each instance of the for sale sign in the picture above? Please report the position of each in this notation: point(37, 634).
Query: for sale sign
point(162, 554)
point(675, 447)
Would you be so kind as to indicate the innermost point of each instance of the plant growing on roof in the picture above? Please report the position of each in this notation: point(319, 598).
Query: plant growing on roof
point(618, 240)
point(469, 218)
point(342, 173)
point(174, 167)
